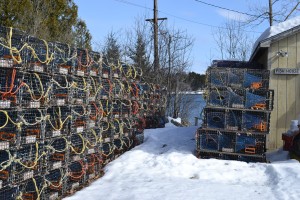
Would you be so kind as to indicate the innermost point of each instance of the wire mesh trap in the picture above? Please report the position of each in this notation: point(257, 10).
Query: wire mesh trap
point(65, 57)
point(58, 121)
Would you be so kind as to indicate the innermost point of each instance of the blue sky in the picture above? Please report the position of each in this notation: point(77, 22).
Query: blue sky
point(104, 16)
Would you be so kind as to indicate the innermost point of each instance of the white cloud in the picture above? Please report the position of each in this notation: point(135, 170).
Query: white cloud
point(232, 15)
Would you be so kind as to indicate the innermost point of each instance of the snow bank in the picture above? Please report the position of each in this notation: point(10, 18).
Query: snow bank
point(164, 167)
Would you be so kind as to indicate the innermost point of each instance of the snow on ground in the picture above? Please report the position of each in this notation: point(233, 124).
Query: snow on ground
point(164, 167)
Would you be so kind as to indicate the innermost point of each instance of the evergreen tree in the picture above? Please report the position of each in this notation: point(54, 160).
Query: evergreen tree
point(46, 19)
point(139, 54)
point(82, 35)
point(112, 50)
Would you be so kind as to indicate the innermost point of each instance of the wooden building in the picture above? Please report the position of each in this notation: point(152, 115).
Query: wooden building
point(278, 49)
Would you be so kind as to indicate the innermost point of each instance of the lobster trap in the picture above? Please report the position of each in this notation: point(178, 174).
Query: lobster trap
point(106, 91)
point(32, 188)
point(233, 120)
point(107, 107)
point(95, 113)
point(126, 90)
point(127, 143)
point(12, 48)
point(118, 147)
point(77, 145)
point(57, 153)
point(28, 162)
point(11, 81)
point(92, 141)
point(96, 62)
point(260, 99)
point(127, 125)
point(256, 121)
point(83, 63)
point(76, 176)
point(61, 90)
point(79, 119)
point(257, 79)
point(79, 91)
point(107, 152)
point(117, 128)
point(214, 118)
point(219, 98)
point(55, 180)
point(252, 144)
point(208, 140)
point(58, 121)
point(236, 77)
point(116, 71)
point(107, 131)
point(35, 92)
point(217, 77)
point(94, 88)
point(93, 166)
point(116, 109)
point(125, 108)
point(117, 91)
point(33, 125)
point(9, 130)
point(128, 71)
point(135, 108)
point(65, 57)
point(6, 168)
point(134, 91)
point(9, 192)
point(105, 71)
point(227, 142)
point(40, 55)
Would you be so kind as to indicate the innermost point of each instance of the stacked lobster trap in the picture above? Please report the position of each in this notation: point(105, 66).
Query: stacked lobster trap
point(237, 115)
point(64, 114)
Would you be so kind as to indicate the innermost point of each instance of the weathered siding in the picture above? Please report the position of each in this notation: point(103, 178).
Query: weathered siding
point(286, 87)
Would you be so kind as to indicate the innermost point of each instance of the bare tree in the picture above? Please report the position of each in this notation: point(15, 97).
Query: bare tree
point(232, 41)
point(175, 48)
point(273, 10)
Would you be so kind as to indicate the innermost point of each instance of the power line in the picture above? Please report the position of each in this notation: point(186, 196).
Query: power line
point(216, 6)
point(181, 18)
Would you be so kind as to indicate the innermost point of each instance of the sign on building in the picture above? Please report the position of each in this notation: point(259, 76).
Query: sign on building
point(284, 71)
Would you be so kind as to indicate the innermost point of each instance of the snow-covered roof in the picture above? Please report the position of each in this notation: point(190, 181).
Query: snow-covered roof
point(276, 30)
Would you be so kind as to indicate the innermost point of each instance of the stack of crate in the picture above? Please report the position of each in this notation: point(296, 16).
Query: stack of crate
point(237, 115)
point(64, 114)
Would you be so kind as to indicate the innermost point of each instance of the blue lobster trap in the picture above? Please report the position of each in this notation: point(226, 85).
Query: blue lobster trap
point(209, 140)
point(234, 120)
point(252, 144)
point(227, 142)
point(256, 121)
point(214, 118)
point(219, 98)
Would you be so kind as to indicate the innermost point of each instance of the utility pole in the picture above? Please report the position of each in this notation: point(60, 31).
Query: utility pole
point(270, 13)
point(155, 28)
